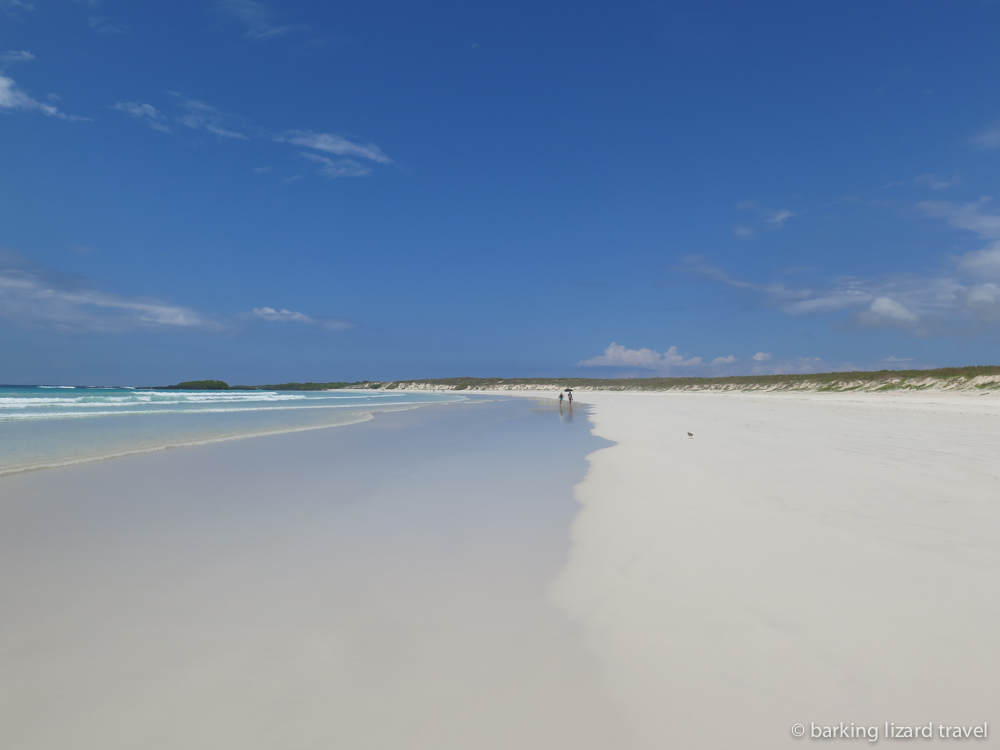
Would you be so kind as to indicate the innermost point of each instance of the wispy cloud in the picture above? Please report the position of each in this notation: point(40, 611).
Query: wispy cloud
point(898, 359)
point(772, 219)
point(147, 113)
point(619, 356)
point(38, 297)
point(10, 7)
point(988, 138)
point(201, 115)
point(761, 357)
point(13, 99)
point(32, 295)
point(256, 17)
point(103, 25)
point(969, 216)
point(338, 168)
point(17, 56)
point(274, 315)
point(779, 217)
point(725, 360)
point(936, 183)
point(335, 144)
point(966, 301)
point(918, 306)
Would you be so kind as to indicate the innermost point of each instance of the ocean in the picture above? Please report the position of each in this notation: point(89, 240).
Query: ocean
point(55, 425)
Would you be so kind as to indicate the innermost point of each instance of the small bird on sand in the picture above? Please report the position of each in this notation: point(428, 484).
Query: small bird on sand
point(690, 434)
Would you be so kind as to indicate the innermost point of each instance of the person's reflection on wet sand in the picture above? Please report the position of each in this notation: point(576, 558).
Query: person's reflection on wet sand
point(567, 415)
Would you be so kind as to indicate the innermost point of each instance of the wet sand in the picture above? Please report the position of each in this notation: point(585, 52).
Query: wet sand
point(380, 585)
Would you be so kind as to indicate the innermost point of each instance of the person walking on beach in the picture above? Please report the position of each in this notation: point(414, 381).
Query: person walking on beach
point(560, 398)
point(569, 393)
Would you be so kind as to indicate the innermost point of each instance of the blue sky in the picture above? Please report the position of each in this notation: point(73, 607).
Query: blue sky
point(263, 191)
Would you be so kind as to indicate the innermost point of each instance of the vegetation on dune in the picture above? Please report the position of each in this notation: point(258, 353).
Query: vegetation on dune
point(881, 380)
point(890, 379)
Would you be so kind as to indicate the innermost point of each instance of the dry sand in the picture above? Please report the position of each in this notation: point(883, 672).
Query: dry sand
point(804, 558)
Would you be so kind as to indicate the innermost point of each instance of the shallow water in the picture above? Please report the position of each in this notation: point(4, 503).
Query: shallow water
point(45, 426)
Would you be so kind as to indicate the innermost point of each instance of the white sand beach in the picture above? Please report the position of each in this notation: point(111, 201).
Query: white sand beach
point(425, 579)
point(803, 558)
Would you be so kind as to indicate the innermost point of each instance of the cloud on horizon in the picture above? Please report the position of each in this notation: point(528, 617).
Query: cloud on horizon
point(618, 356)
point(660, 364)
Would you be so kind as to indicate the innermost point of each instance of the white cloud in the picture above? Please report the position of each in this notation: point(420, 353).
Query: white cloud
point(17, 56)
point(335, 144)
point(145, 112)
point(743, 231)
point(35, 296)
point(936, 183)
point(965, 302)
point(724, 360)
point(273, 315)
point(199, 115)
point(100, 24)
point(618, 356)
point(969, 216)
point(13, 99)
point(761, 357)
point(988, 138)
point(257, 18)
point(984, 263)
point(202, 115)
point(779, 217)
point(12, 6)
point(885, 311)
point(898, 359)
point(38, 297)
point(339, 168)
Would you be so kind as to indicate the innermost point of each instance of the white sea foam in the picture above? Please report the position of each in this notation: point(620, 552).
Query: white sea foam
point(163, 412)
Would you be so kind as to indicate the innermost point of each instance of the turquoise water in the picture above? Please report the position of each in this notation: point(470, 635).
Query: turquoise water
point(43, 426)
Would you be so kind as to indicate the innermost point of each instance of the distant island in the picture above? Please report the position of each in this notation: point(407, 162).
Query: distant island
point(197, 385)
point(982, 377)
